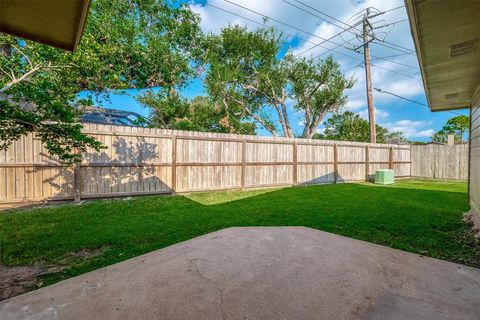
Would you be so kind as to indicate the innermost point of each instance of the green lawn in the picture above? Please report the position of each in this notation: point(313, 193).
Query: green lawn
point(421, 216)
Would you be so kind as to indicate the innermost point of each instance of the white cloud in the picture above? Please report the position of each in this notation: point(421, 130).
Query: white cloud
point(353, 105)
point(406, 88)
point(379, 114)
point(323, 31)
point(425, 133)
point(411, 128)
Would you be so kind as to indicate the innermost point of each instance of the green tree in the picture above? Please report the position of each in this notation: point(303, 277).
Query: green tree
point(317, 88)
point(396, 137)
point(457, 126)
point(349, 126)
point(441, 136)
point(200, 114)
point(236, 59)
point(247, 75)
point(126, 44)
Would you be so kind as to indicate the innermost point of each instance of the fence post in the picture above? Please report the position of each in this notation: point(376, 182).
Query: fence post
point(469, 160)
point(411, 163)
point(367, 163)
point(77, 184)
point(390, 158)
point(335, 163)
point(244, 152)
point(174, 164)
point(295, 164)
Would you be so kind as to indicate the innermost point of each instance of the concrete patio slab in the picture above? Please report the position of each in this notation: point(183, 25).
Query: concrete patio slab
point(262, 273)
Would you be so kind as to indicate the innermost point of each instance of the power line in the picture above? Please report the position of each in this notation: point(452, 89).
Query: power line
point(407, 99)
point(350, 27)
point(346, 24)
point(258, 23)
point(323, 13)
point(391, 46)
point(276, 20)
point(334, 36)
point(393, 56)
point(294, 36)
point(288, 25)
point(300, 8)
point(233, 13)
point(328, 49)
point(396, 62)
point(355, 67)
point(376, 66)
point(391, 24)
point(399, 7)
point(398, 96)
point(393, 71)
point(399, 48)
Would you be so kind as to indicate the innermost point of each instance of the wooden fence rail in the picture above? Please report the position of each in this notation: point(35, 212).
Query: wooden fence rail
point(140, 161)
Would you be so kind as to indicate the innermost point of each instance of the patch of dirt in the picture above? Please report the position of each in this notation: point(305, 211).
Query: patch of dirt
point(88, 253)
point(20, 279)
point(17, 280)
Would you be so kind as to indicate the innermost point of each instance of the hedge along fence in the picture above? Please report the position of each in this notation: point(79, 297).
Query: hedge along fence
point(141, 161)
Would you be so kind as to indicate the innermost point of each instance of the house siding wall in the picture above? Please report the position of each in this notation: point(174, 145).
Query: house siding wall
point(474, 181)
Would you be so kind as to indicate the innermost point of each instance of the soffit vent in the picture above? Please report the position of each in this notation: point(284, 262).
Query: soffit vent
point(452, 95)
point(463, 48)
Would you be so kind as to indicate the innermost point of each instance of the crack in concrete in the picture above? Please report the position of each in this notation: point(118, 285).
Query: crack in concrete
point(196, 271)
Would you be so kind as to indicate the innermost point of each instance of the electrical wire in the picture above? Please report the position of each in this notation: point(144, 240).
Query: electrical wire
point(388, 45)
point(360, 65)
point(258, 23)
point(407, 99)
point(393, 71)
point(396, 62)
point(393, 56)
point(261, 24)
point(332, 37)
point(294, 36)
point(328, 49)
point(396, 8)
point(391, 24)
point(350, 27)
point(346, 24)
point(284, 23)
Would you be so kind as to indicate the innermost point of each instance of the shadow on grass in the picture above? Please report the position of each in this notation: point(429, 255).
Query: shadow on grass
point(428, 222)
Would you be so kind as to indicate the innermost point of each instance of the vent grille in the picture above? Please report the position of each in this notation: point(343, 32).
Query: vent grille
point(452, 95)
point(463, 48)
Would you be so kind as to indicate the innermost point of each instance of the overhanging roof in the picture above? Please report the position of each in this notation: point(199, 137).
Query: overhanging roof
point(446, 36)
point(58, 23)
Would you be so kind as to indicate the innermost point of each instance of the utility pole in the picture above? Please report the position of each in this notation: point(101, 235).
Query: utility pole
point(367, 28)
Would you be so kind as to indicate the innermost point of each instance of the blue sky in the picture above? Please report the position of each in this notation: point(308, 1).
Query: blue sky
point(398, 74)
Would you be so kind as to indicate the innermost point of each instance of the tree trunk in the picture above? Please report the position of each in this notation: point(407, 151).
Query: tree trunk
point(288, 127)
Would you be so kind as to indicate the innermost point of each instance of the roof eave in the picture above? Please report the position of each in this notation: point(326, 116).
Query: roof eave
point(409, 5)
point(49, 38)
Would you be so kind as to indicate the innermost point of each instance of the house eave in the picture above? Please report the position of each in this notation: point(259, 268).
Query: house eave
point(450, 80)
point(55, 23)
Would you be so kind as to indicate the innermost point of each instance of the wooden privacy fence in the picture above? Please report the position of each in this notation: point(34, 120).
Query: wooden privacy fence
point(140, 161)
point(440, 161)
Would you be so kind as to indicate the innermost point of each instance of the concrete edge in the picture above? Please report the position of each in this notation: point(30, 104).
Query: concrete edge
point(213, 233)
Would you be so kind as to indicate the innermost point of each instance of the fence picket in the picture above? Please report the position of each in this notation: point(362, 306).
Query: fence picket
point(156, 161)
